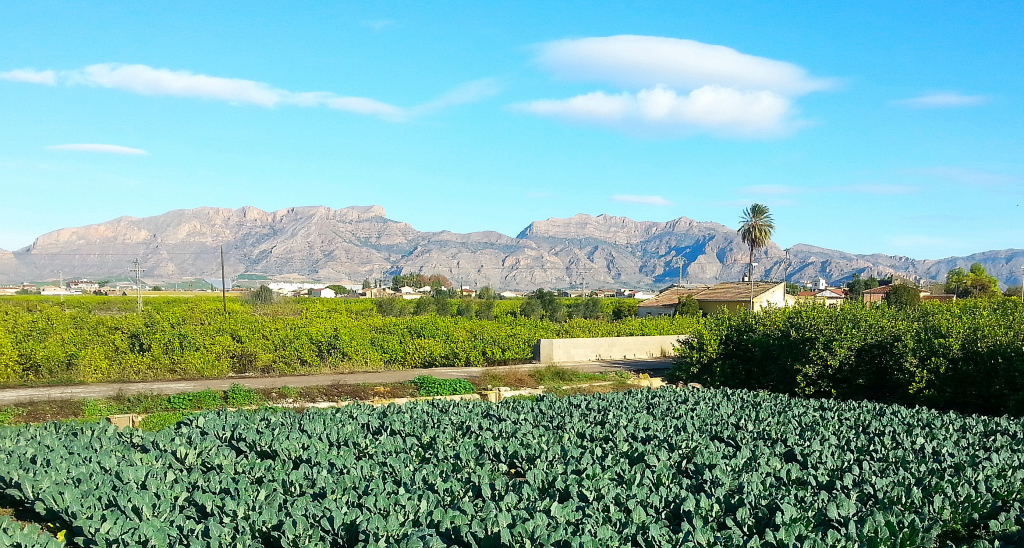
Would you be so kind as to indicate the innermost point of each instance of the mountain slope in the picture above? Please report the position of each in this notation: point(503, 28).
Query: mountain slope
point(361, 242)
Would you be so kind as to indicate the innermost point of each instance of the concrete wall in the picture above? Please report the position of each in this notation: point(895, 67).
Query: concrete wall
point(604, 348)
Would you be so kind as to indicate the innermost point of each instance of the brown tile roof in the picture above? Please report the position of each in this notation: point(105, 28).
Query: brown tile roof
point(727, 291)
point(670, 297)
point(940, 297)
point(880, 290)
point(734, 291)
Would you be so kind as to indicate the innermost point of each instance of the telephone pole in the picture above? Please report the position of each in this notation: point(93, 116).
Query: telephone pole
point(137, 270)
point(787, 268)
point(223, 283)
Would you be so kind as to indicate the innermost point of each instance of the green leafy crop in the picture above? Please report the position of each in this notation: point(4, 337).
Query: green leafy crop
point(669, 467)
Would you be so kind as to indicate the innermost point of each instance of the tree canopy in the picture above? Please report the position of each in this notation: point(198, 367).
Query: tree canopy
point(417, 280)
point(973, 283)
point(756, 228)
point(903, 296)
point(857, 286)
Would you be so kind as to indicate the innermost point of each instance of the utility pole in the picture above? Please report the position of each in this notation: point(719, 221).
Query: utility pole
point(681, 262)
point(751, 276)
point(137, 270)
point(223, 283)
point(787, 268)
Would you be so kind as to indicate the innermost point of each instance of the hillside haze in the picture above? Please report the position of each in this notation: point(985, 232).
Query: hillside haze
point(354, 243)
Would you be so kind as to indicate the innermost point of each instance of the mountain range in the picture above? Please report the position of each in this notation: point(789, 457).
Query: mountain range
point(360, 242)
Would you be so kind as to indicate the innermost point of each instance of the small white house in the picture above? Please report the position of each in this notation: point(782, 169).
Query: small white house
point(406, 290)
point(322, 292)
point(820, 284)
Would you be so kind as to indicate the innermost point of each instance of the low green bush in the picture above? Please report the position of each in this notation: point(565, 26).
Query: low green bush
point(428, 385)
point(240, 396)
point(159, 421)
point(196, 401)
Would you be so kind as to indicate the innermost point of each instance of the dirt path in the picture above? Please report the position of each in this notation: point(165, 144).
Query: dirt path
point(9, 396)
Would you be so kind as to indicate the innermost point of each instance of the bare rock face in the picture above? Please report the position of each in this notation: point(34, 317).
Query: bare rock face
point(359, 242)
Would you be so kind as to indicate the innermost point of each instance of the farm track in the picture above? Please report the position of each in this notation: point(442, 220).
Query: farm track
point(10, 396)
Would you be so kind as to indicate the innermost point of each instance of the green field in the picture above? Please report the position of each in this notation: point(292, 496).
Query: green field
point(670, 467)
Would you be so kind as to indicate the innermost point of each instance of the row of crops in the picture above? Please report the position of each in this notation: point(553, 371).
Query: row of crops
point(92, 339)
point(672, 467)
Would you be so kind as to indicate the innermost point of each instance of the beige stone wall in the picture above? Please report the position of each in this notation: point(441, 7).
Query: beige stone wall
point(604, 348)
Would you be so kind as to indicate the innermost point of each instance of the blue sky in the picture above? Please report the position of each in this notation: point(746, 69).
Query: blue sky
point(869, 128)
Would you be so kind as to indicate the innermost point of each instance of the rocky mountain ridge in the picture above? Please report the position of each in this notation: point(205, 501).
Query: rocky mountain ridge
point(353, 243)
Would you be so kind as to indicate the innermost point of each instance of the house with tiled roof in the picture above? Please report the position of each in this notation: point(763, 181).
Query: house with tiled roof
point(730, 296)
point(829, 297)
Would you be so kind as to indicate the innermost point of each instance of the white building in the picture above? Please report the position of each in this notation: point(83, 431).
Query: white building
point(322, 292)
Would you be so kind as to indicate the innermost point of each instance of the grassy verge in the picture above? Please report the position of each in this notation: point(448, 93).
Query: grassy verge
point(162, 410)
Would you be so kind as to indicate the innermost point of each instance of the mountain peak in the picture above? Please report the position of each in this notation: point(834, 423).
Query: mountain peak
point(357, 242)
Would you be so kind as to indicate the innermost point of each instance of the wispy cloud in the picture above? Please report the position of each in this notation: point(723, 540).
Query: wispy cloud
point(470, 92)
point(972, 177)
point(146, 80)
point(105, 149)
point(681, 86)
point(944, 100)
point(646, 200)
point(715, 109)
point(378, 24)
point(646, 61)
point(45, 77)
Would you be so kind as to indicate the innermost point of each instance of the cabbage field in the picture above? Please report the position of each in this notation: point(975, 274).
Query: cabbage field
point(670, 467)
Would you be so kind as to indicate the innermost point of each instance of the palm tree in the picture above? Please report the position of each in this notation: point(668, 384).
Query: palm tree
point(756, 231)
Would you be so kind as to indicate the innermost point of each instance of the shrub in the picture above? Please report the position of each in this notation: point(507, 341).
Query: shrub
point(485, 310)
point(389, 306)
point(261, 296)
point(427, 385)
point(196, 401)
point(966, 356)
point(161, 420)
point(903, 296)
point(588, 309)
point(688, 306)
point(465, 309)
point(240, 396)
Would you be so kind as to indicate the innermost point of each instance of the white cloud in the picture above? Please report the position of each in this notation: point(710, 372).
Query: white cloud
point(675, 87)
point(646, 200)
point(945, 100)
point(646, 61)
point(106, 149)
point(716, 109)
point(45, 77)
point(146, 80)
